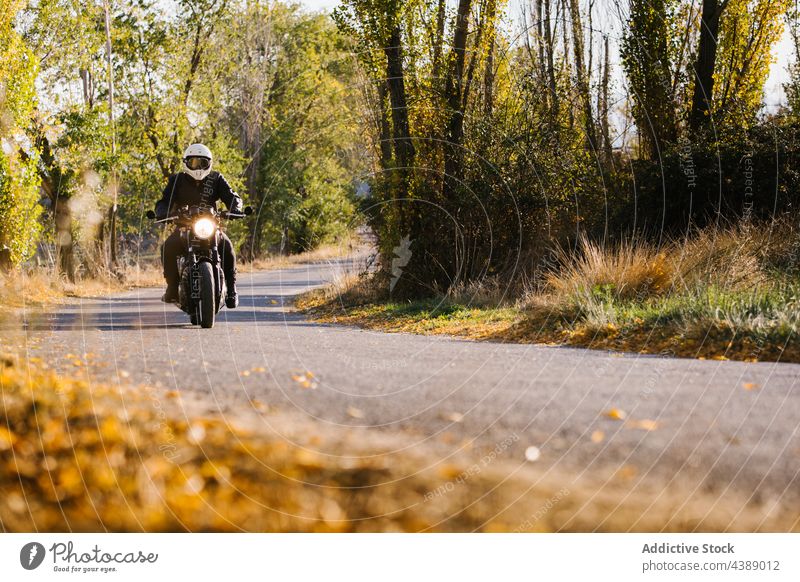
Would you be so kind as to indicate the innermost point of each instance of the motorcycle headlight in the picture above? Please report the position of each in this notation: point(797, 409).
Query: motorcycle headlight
point(204, 227)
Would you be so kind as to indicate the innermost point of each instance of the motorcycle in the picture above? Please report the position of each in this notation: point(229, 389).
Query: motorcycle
point(201, 288)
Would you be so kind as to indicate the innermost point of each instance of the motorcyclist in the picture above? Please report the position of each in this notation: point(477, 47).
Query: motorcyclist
point(186, 188)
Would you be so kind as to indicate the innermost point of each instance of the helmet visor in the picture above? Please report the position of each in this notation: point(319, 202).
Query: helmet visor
point(197, 163)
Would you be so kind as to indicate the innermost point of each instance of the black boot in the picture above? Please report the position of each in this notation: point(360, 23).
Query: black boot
point(232, 297)
point(171, 295)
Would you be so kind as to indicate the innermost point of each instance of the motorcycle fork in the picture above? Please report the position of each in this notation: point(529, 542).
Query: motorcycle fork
point(218, 278)
point(194, 278)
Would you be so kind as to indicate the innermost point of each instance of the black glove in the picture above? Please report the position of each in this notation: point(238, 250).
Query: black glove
point(237, 206)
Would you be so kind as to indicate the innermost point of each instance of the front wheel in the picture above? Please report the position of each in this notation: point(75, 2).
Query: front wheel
point(205, 308)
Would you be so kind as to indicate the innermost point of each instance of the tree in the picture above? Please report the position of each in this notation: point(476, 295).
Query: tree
point(71, 132)
point(648, 66)
point(19, 209)
point(581, 74)
point(748, 32)
point(287, 82)
point(703, 94)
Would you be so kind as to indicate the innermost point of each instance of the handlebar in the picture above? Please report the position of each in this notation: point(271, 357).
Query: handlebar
point(225, 214)
point(221, 214)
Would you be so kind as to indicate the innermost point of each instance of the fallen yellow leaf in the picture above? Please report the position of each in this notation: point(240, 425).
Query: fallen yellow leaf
point(449, 471)
point(7, 439)
point(305, 380)
point(644, 424)
point(616, 414)
point(598, 436)
point(355, 412)
point(750, 386)
point(453, 416)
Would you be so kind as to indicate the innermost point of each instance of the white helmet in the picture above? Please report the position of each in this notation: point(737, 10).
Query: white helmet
point(197, 161)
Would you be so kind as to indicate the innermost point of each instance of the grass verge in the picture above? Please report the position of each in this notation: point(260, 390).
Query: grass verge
point(727, 296)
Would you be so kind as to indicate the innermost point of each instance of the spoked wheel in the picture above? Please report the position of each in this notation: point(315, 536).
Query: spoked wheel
point(206, 307)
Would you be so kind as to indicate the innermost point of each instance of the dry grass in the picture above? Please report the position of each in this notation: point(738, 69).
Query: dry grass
point(344, 248)
point(634, 270)
point(20, 288)
point(490, 291)
point(628, 270)
point(81, 457)
point(43, 286)
point(143, 275)
point(730, 258)
point(729, 294)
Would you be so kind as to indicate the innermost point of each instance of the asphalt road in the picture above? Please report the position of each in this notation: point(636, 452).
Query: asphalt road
point(707, 425)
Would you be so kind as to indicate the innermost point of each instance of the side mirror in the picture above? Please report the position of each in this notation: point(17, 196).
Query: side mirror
point(248, 210)
point(150, 214)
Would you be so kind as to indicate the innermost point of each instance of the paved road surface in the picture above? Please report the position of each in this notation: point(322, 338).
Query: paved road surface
point(710, 431)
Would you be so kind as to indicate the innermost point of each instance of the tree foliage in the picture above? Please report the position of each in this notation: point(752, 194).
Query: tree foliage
point(480, 145)
point(19, 207)
point(647, 56)
point(263, 84)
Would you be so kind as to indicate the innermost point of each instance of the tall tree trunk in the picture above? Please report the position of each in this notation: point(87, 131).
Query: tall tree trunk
point(549, 51)
point(540, 45)
point(567, 60)
point(65, 246)
point(704, 66)
point(384, 129)
point(581, 78)
point(87, 82)
point(401, 135)
point(438, 41)
point(602, 109)
point(112, 211)
point(488, 72)
point(488, 78)
point(453, 88)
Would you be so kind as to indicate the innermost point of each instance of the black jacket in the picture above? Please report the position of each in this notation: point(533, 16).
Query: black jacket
point(183, 190)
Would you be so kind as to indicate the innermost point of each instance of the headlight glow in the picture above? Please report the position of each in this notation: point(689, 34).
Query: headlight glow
point(204, 227)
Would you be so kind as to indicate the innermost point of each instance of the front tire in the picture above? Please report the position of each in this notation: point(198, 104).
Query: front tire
point(205, 308)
